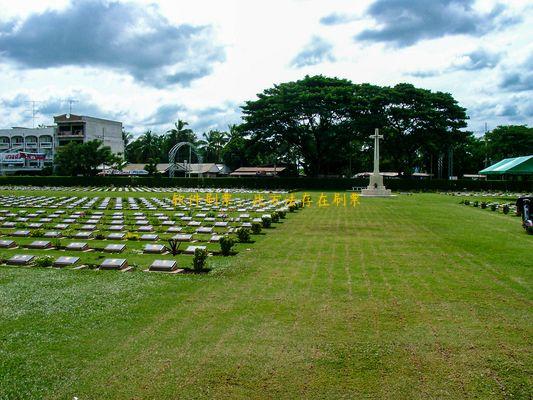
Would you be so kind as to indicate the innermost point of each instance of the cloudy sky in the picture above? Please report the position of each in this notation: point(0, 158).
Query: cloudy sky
point(148, 63)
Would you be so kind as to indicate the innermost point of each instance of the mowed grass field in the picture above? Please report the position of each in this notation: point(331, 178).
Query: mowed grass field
point(413, 297)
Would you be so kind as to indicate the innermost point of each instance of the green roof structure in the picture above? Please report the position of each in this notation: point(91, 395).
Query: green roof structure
point(511, 166)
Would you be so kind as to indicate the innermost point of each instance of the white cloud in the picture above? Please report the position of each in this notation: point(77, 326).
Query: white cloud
point(260, 39)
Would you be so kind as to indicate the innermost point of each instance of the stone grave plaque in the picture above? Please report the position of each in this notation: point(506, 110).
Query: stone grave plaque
point(154, 248)
point(192, 249)
point(83, 235)
point(149, 236)
point(115, 236)
point(114, 263)
point(21, 233)
point(7, 244)
point(114, 248)
point(88, 227)
point(78, 246)
point(163, 265)
point(40, 244)
point(182, 237)
point(20, 259)
point(65, 261)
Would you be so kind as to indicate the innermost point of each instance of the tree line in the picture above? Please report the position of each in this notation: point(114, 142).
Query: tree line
point(320, 126)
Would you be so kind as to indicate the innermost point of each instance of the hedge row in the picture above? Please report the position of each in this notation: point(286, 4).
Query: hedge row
point(268, 183)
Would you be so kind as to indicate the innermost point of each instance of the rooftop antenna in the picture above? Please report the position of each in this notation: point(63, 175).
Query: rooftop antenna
point(33, 110)
point(70, 102)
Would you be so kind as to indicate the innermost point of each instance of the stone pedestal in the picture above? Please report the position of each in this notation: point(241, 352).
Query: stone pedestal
point(379, 192)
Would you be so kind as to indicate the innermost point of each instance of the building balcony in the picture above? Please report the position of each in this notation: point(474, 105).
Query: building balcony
point(46, 145)
point(4, 145)
point(67, 134)
point(31, 144)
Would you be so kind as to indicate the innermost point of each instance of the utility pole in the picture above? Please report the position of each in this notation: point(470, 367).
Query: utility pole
point(486, 148)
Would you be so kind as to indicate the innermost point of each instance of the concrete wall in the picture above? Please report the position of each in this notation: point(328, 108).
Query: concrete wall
point(110, 133)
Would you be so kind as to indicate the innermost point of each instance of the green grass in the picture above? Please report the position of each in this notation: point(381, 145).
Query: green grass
point(414, 297)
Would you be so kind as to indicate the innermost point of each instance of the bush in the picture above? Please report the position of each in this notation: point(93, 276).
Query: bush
point(275, 217)
point(131, 236)
point(506, 209)
point(44, 261)
point(483, 205)
point(493, 207)
point(37, 233)
point(476, 203)
point(267, 221)
point(200, 259)
point(99, 236)
point(226, 244)
point(256, 228)
point(282, 214)
point(243, 234)
point(467, 202)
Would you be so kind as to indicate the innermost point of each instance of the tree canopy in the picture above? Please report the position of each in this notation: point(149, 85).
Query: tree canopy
point(325, 123)
point(509, 141)
point(84, 158)
point(321, 126)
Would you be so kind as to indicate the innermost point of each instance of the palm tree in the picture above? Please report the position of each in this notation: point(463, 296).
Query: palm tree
point(180, 134)
point(149, 145)
point(212, 144)
point(126, 137)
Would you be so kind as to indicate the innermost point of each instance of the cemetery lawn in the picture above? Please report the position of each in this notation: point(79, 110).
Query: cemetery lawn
point(413, 297)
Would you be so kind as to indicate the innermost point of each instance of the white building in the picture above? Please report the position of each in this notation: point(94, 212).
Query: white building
point(31, 149)
point(82, 129)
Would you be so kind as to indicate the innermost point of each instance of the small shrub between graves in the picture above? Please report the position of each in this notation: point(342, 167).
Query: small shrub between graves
point(243, 234)
point(493, 207)
point(476, 203)
point(200, 259)
point(174, 246)
point(282, 214)
point(44, 261)
point(256, 228)
point(99, 236)
point(275, 217)
point(37, 233)
point(132, 236)
point(467, 202)
point(226, 244)
point(483, 205)
point(267, 222)
point(506, 209)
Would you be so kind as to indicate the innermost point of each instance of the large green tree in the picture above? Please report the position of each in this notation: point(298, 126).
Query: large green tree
point(325, 123)
point(314, 119)
point(84, 158)
point(509, 141)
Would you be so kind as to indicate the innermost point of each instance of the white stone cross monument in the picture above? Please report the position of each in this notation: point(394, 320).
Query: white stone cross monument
point(376, 187)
